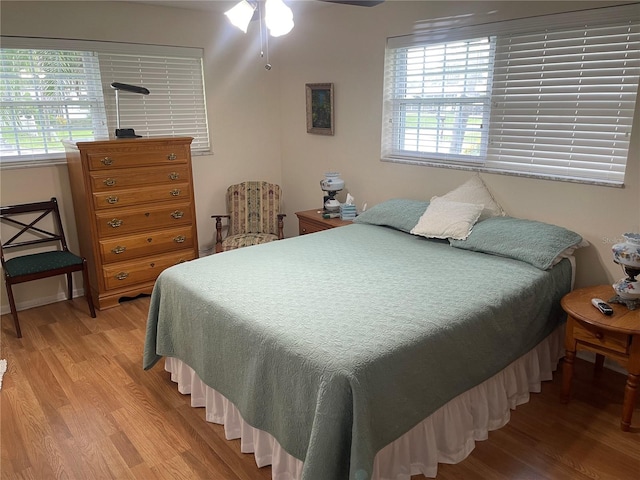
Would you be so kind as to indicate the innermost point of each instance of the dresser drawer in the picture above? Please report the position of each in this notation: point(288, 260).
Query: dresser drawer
point(125, 274)
point(124, 248)
point(133, 220)
point(592, 335)
point(117, 179)
point(141, 195)
point(138, 156)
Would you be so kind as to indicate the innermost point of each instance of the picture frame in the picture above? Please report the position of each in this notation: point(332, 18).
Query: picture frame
point(320, 117)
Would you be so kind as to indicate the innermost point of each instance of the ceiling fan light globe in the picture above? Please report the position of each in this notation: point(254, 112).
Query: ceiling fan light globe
point(282, 29)
point(240, 15)
point(278, 18)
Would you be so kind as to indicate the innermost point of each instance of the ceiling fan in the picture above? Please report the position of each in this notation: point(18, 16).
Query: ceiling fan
point(276, 17)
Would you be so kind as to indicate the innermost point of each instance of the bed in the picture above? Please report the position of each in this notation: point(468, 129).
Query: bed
point(350, 353)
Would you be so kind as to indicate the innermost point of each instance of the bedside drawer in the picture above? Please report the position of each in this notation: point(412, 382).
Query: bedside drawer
point(125, 274)
point(141, 195)
point(306, 226)
point(138, 177)
point(618, 342)
point(124, 248)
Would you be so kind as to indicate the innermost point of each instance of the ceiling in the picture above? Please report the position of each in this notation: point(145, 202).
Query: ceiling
point(220, 5)
point(207, 5)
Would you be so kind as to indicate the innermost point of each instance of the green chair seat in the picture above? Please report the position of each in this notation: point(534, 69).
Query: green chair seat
point(40, 262)
point(246, 240)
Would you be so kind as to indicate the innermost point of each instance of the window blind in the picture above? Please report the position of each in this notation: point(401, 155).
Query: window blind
point(562, 94)
point(48, 96)
point(175, 105)
point(55, 89)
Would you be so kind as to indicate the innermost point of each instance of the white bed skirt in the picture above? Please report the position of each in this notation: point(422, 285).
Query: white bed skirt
point(446, 436)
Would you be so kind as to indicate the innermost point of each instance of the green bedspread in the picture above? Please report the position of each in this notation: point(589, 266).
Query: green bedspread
point(338, 343)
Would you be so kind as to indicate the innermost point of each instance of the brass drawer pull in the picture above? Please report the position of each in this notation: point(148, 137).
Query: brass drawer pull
point(112, 200)
point(174, 176)
point(180, 239)
point(177, 214)
point(118, 250)
point(107, 161)
point(109, 182)
point(599, 335)
point(115, 223)
point(172, 156)
point(121, 275)
point(175, 192)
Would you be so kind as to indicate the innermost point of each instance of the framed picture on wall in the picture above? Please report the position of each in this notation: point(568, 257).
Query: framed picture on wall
point(320, 108)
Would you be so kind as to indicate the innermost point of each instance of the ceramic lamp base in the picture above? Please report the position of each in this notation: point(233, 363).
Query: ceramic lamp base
point(630, 304)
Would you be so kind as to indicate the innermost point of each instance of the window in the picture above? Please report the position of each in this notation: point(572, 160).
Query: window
point(549, 97)
point(441, 99)
point(48, 96)
point(61, 89)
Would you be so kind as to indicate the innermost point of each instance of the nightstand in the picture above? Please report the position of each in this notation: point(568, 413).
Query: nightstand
point(311, 221)
point(616, 336)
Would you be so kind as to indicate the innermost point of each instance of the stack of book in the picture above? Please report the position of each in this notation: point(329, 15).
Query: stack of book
point(347, 212)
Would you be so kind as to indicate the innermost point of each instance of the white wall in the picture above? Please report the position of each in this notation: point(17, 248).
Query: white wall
point(345, 45)
point(242, 105)
point(257, 117)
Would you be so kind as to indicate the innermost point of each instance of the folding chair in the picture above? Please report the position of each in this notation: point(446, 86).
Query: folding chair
point(32, 222)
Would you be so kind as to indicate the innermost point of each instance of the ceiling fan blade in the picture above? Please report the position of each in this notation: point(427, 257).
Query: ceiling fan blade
point(358, 3)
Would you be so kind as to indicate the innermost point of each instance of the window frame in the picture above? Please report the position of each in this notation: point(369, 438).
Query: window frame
point(202, 142)
point(437, 32)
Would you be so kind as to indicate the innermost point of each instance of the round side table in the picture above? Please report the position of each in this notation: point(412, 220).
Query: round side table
point(616, 336)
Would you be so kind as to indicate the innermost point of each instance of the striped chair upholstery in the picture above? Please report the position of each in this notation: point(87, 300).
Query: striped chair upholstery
point(253, 216)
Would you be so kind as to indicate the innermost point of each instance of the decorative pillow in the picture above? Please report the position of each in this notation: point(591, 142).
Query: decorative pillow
point(475, 191)
point(398, 213)
point(539, 244)
point(446, 219)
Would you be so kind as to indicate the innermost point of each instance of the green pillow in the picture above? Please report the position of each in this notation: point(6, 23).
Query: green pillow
point(398, 213)
point(539, 244)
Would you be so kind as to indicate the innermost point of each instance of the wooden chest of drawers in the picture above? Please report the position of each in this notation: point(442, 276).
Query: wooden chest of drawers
point(135, 212)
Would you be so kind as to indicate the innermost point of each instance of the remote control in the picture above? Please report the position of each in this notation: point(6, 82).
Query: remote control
point(602, 306)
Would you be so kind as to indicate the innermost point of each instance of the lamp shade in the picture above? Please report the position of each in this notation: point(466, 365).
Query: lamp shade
point(278, 18)
point(241, 15)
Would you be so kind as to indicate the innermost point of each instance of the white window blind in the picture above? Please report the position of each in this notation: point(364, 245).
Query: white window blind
point(47, 96)
point(562, 91)
point(175, 105)
point(563, 102)
point(55, 89)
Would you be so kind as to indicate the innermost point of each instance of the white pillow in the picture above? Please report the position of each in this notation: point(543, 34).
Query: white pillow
point(446, 219)
point(475, 191)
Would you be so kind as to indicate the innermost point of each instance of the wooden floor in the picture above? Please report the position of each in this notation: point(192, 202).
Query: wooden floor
point(76, 404)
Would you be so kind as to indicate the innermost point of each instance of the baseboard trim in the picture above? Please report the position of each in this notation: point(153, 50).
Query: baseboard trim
point(40, 301)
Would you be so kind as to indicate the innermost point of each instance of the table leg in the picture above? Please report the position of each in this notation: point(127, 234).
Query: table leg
point(599, 362)
point(567, 375)
point(630, 394)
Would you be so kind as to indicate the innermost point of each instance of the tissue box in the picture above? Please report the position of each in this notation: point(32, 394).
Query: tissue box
point(347, 211)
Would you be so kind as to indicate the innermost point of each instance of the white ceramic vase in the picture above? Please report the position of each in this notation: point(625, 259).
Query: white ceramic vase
point(627, 254)
point(331, 182)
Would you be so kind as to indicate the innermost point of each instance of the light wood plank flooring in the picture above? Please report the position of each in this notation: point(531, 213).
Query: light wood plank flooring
point(76, 404)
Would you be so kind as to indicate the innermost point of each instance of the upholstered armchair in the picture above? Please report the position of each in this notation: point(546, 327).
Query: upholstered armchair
point(253, 214)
